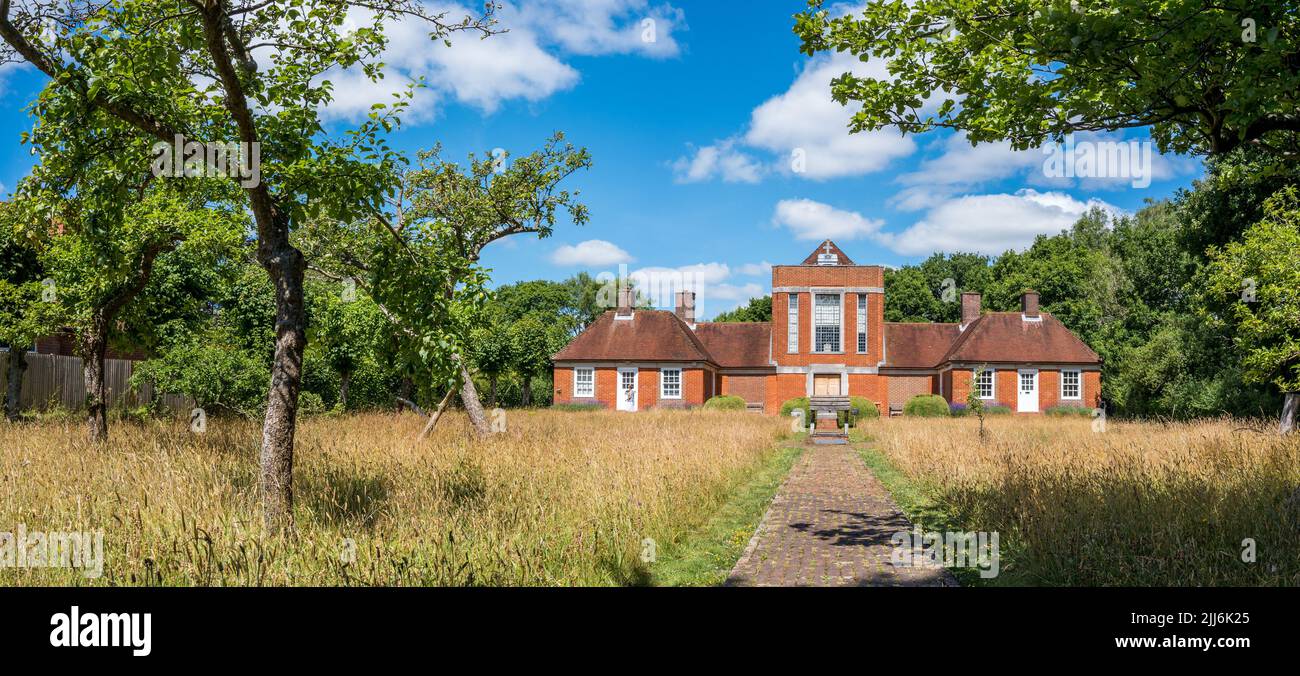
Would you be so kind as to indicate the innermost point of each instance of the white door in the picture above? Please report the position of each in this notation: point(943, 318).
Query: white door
point(1028, 400)
point(627, 389)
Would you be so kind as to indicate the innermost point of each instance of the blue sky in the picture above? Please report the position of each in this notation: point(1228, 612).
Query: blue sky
point(716, 148)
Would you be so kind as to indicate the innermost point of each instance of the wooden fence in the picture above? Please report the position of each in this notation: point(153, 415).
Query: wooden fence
point(54, 380)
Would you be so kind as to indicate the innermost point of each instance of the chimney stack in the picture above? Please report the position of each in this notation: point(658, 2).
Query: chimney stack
point(686, 306)
point(1029, 303)
point(624, 300)
point(970, 307)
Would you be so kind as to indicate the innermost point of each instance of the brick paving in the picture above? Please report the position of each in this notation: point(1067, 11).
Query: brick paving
point(830, 526)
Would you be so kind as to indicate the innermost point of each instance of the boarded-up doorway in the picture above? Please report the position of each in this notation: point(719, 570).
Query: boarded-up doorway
point(826, 385)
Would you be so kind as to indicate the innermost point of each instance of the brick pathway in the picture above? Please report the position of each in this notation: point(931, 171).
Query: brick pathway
point(829, 525)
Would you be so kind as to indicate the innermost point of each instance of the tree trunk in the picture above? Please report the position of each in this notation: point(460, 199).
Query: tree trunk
point(469, 397)
point(492, 390)
point(16, 368)
point(433, 419)
point(345, 380)
point(94, 342)
point(1290, 405)
point(285, 264)
point(404, 392)
point(526, 397)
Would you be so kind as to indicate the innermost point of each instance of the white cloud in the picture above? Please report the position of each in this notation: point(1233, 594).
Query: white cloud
point(990, 224)
point(802, 131)
point(720, 160)
point(812, 220)
point(715, 291)
point(806, 120)
point(591, 253)
point(755, 269)
point(523, 63)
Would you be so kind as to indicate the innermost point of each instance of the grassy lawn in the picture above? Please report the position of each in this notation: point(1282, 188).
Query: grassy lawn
point(1128, 504)
point(560, 498)
point(705, 557)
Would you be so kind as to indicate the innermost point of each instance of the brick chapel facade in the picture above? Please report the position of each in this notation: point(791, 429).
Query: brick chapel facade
point(827, 337)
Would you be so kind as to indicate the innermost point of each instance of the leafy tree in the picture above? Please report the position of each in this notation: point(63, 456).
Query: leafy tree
point(492, 350)
point(345, 330)
point(1035, 70)
point(212, 369)
point(251, 72)
point(1253, 287)
point(26, 313)
point(534, 340)
point(756, 310)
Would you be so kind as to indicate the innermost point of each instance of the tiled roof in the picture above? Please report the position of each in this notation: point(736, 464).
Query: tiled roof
point(917, 344)
point(842, 259)
point(650, 335)
point(1007, 337)
point(737, 344)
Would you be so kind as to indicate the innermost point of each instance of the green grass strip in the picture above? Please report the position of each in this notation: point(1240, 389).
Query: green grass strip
point(706, 556)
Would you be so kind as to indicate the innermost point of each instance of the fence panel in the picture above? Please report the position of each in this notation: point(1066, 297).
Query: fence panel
point(55, 380)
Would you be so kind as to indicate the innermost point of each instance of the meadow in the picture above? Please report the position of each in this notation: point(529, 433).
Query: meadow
point(559, 498)
point(1138, 504)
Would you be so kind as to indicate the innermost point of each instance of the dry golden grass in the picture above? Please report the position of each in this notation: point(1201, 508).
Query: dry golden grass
point(561, 498)
point(1138, 504)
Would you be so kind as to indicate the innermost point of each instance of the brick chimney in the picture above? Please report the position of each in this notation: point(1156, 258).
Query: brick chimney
point(624, 299)
point(1029, 303)
point(970, 307)
point(686, 306)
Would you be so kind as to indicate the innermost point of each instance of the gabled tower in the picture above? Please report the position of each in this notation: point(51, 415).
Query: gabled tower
point(827, 327)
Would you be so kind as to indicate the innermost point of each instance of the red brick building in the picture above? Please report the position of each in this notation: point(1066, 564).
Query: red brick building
point(827, 337)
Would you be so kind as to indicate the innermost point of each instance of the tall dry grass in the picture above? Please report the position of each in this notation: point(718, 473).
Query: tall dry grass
point(1138, 504)
point(560, 498)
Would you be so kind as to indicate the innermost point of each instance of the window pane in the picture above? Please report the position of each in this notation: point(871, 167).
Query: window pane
point(670, 384)
point(862, 322)
point(792, 324)
point(584, 382)
point(1070, 384)
point(826, 323)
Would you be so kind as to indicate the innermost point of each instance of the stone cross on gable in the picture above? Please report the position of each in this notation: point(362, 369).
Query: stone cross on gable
point(827, 248)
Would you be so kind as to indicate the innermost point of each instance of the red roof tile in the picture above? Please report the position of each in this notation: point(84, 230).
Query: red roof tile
point(737, 344)
point(650, 335)
point(917, 344)
point(1006, 337)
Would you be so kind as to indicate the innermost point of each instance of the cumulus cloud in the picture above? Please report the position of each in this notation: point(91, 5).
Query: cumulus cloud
point(802, 131)
point(591, 253)
point(812, 220)
point(990, 224)
point(720, 160)
point(524, 63)
point(755, 269)
point(715, 290)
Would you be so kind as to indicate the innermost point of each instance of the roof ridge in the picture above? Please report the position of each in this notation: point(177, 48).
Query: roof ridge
point(962, 337)
point(693, 339)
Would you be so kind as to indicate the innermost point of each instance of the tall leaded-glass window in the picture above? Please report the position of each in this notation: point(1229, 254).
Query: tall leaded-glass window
point(826, 322)
point(792, 325)
point(862, 323)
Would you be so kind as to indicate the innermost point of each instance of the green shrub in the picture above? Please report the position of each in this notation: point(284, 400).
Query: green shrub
point(798, 402)
point(310, 403)
point(866, 408)
point(997, 409)
point(725, 402)
point(927, 406)
point(1069, 409)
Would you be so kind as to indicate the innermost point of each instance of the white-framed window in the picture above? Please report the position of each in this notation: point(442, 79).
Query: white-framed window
point(862, 323)
point(984, 384)
point(584, 382)
point(1071, 385)
point(670, 383)
point(792, 325)
point(826, 322)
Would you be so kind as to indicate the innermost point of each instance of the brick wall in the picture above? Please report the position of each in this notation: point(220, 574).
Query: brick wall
point(695, 383)
point(783, 386)
point(869, 385)
point(903, 388)
point(753, 389)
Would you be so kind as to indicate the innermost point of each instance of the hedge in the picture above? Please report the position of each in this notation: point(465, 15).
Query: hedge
point(1069, 409)
point(725, 402)
point(926, 406)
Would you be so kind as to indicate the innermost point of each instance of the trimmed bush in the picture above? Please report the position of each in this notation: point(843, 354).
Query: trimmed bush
point(725, 402)
point(927, 406)
point(866, 407)
point(1069, 409)
point(797, 402)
